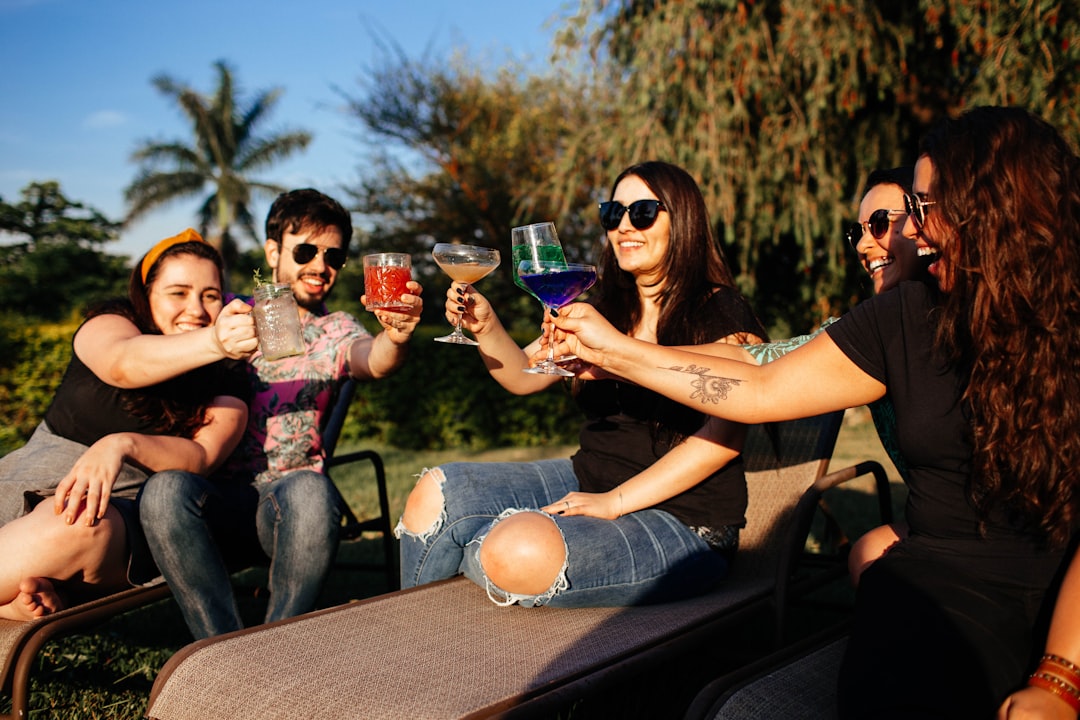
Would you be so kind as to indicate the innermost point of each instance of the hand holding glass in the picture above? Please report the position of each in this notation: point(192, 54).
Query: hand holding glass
point(554, 284)
point(385, 279)
point(465, 264)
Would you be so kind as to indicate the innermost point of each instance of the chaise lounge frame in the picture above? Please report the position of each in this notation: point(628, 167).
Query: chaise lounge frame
point(445, 651)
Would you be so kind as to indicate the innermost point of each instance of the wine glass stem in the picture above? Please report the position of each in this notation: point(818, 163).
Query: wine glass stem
point(551, 339)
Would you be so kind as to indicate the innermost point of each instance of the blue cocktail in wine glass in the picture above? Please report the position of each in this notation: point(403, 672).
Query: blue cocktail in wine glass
point(555, 284)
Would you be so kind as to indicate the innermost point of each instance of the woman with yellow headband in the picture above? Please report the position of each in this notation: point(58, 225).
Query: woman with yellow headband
point(153, 384)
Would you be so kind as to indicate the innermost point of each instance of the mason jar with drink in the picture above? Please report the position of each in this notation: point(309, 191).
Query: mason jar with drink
point(277, 321)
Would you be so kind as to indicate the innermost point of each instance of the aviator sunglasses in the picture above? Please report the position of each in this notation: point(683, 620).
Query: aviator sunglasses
point(306, 252)
point(916, 208)
point(643, 213)
point(878, 224)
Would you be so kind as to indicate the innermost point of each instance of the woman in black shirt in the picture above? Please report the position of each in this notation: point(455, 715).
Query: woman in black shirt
point(151, 385)
point(650, 507)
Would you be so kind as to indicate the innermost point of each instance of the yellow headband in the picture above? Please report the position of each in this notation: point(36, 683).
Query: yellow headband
point(151, 257)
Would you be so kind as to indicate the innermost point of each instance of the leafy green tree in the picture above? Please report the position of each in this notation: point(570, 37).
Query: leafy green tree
point(51, 262)
point(222, 154)
point(781, 108)
point(461, 157)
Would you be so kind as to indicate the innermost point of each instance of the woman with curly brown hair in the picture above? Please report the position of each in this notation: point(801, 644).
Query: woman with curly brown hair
point(984, 376)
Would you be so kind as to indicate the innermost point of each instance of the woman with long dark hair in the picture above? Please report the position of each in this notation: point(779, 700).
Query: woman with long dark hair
point(151, 385)
point(649, 508)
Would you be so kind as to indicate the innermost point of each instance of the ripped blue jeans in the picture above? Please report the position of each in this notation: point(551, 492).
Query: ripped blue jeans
point(644, 557)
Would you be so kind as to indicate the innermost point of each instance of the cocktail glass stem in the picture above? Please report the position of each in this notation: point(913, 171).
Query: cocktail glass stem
point(549, 366)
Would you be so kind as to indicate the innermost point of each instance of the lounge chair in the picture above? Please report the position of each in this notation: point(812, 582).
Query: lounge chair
point(796, 683)
point(444, 650)
point(21, 641)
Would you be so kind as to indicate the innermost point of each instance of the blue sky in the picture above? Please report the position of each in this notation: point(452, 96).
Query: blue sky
point(77, 97)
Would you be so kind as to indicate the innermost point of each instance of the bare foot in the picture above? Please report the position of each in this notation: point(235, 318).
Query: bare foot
point(37, 597)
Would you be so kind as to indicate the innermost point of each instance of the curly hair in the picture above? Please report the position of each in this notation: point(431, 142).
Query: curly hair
point(694, 265)
point(1007, 188)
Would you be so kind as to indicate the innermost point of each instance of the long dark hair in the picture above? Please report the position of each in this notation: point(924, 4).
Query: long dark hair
point(693, 268)
point(1007, 188)
point(177, 406)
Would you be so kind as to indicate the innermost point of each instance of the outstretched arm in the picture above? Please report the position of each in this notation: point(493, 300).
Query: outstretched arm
point(378, 357)
point(121, 355)
point(504, 359)
point(811, 380)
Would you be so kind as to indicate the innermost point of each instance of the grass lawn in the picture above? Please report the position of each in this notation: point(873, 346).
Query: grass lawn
point(108, 673)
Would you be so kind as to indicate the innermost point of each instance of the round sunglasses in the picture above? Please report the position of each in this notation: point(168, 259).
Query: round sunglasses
point(916, 208)
point(306, 252)
point(877, 224)
point(643, 213)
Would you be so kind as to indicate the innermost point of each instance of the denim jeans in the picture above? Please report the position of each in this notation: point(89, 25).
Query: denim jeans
point(198, 530)
point(643, 557)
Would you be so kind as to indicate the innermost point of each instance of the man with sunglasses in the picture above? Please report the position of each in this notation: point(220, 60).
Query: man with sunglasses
point(272, 497)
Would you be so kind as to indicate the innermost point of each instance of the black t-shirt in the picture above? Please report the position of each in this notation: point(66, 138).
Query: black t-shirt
point(619, 438)
point(85, 408)
point(890, 337)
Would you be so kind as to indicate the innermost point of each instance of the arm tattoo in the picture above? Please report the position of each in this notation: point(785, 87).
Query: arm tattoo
point(708, 388)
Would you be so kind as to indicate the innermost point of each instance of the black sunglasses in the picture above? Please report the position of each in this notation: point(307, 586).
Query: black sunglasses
point(306, 252)
point(643, 213)
point(916, 208)
point(878, 224)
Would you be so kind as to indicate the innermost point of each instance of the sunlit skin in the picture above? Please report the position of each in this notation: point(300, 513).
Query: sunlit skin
point(930, 239)
point(311, 282)
point(891, 259)
point(640, 252)
point(186, 294)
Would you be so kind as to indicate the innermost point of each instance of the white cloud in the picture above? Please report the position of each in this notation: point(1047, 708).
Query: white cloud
point(105, 119)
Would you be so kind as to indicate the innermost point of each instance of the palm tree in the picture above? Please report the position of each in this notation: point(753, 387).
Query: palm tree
point(225, 152)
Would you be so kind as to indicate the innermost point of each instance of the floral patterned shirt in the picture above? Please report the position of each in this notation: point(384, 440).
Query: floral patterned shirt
point(293, 399)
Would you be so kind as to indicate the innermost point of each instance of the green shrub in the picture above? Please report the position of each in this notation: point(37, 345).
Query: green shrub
point(444, 398)
point(32, 361)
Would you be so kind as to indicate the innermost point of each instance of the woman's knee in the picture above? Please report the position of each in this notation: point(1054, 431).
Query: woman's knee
point(524, 554)
point(871, 546)
point(425, 503)
point(72, 544)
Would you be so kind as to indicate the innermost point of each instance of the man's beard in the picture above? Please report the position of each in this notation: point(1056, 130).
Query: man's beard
point(311, 303)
